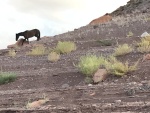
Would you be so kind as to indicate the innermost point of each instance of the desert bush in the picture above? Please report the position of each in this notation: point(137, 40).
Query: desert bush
point(147, 38)
point(12, 53)
point(53, 56)
point(118, 68)
point(6, 77)
point(37, 50)
point(122, 50)
point(105, 42)
point(144, 45)
point(65, 47)
point(89, 64)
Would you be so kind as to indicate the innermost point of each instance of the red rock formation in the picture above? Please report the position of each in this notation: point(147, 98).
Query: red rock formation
point(18, 44)
point(103, 19)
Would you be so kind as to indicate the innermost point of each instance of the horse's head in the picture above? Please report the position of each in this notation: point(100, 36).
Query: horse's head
point(17, 36)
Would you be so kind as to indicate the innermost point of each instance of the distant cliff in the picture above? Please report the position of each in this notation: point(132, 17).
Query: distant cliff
point(133, 7)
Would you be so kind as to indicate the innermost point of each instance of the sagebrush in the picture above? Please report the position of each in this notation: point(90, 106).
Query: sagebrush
point(6, 77)
point(37, 50)
point(65, 47)
point(89, 64)
point(122, 50)
point(118, 68)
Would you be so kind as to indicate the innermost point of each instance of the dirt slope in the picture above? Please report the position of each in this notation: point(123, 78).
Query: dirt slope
point(64, 85)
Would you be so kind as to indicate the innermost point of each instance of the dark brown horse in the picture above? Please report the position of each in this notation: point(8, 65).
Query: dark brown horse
point(28, 34)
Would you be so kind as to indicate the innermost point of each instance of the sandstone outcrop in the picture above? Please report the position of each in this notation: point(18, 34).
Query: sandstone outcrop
point(18, 44)
point(103, 19)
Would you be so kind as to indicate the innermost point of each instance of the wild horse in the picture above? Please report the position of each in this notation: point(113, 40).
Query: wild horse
point(28, 34)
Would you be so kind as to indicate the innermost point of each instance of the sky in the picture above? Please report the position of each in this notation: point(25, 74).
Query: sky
point(51, 17)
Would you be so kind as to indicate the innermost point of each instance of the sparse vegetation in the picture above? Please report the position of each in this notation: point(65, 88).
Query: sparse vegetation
point(122, 50)
point(37, 50)
point(105, 42)
point(6, 77)
point(118, 68)
point(65, 47)
point(130, 34)
point(88, 80)
point(147, 19)
point(144, 45)
point(89, 64)
point(12, 53)
point(53, 56)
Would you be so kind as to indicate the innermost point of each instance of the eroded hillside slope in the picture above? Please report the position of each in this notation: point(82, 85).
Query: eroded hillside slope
point(63, 84)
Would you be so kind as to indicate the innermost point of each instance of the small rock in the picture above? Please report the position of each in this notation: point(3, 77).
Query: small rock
point(100, 75)
point(117, 101)
point(90, 85)
point(145, 34)
point(65, 86)
point(146, 57)
point(36, 104)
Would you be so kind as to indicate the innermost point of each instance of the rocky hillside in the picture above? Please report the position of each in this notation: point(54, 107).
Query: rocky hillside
point(132, 7)
point(43, 86)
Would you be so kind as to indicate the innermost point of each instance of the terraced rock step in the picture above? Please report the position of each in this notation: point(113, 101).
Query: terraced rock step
point(80, 98)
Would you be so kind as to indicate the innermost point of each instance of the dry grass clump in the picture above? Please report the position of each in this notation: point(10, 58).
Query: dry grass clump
point(53, 56)
point(89, 64)
point(6, 77)
point(130, 34)
point(12, 53)
point(118, 68)
point(105, 42)
point(123, 50)
point(65, 47)
point(37, 50)
point(144, 45)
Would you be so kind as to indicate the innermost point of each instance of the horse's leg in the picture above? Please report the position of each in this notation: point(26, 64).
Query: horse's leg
point(38, 35)
point(23, 41)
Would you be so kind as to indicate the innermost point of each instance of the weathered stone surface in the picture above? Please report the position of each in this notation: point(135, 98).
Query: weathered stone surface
point(100, 20)
point(100, 75)
point(146, 57)
point(18, 44)
point(145, 34)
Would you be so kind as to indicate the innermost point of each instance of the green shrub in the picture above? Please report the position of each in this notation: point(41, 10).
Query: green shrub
point(105, 42)
point(65, 47)
point(118, 68)
point(6, 77)
point(37, 50)
point(123, 50)
point(89, 64)
point(53, 57)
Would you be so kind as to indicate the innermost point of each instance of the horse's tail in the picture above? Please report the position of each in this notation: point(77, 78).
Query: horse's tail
point(38, 34)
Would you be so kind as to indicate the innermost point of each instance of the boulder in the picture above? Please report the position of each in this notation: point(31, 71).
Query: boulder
point(18, 44)
point(146, 57)
point(100, 75)
point(103, 19)
point(145, 34)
